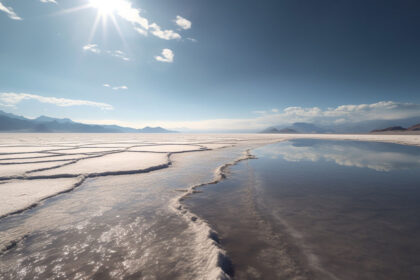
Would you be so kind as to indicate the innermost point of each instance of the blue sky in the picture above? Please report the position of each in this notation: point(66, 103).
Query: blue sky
point(210, 65)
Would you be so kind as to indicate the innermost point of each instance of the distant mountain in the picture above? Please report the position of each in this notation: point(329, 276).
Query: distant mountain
point(149, 129)
point(270, 130)
point(368, 126)
point(13, 123)
point(298, 127)
point(42, 119)
point(4, 114)
point(350, 127)
point(392, 128)
point(415, 127)
point(275, 130)
point(302, 127)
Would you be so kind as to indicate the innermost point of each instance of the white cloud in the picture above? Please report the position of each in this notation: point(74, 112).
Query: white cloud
point(118, 54)
point(9, 11)
point(116, 87)
point(384, 110)
point(94, 48)
point(126, 11)
point(183, 22)
point(167, 56)
point(49, 1)
point(192, 40)
point(12, 99)
point(163, 34)
point(141, 31)
point(351, 155)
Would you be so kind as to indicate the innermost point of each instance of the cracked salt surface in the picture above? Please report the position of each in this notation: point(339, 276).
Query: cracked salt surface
point(124, 217)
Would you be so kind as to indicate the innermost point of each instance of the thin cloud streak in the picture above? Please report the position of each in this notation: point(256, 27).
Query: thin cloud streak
point(9, 11)
point(49, 1)
point(11, 99)
point(123, 87)
point(94, 48)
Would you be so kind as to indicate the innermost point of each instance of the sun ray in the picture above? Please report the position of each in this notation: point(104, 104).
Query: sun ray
point(105, 9)
point(72, 10)
point(94, 27)
point(117, 27)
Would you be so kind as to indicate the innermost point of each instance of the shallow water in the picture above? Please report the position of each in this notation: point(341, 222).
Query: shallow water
point(316, 209)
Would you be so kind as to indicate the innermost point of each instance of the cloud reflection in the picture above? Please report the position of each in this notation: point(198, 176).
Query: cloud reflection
point(383, 157)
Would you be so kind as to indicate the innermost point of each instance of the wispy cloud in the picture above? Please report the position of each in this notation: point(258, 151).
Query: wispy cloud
point(118, 54)
point(163, 34)
point(115, 87)
point(141, 31)
point(192, 40)
point(94, 48)
point(49, 1)
point(183, 22)
point(167, 56)
point(126, 11)
point(12, 99)
point(384, 110)
point(9, 11)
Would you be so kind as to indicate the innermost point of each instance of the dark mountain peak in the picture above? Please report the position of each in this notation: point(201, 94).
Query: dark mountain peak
point(303, 127)
point(392, 128)
point(287, 130)
point(49, 119)
point(415, 127)
point(10, 115)
point(13, 123)
point(158, 129)
point(275, 130)
point(270, 130)
point(297, 127)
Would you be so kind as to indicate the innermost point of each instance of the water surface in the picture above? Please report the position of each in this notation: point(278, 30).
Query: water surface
point(316, 209)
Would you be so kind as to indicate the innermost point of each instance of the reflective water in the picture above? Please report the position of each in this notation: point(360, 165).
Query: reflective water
point(316, 209)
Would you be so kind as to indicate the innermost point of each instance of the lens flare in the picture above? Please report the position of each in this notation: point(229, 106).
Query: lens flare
point(106, 7)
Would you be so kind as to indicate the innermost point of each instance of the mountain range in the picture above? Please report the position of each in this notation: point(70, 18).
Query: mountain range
point(298, 127)
point(356, 127)
point(398, 129)
point(13, 123)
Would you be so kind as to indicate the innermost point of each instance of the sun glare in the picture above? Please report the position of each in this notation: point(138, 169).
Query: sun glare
point(105, 7)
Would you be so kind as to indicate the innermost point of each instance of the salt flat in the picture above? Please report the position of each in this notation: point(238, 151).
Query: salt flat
point(166, 148)
point(12, 170)
point(22, 194)
point(99, 163)
point(116, 162)
point(75, 147)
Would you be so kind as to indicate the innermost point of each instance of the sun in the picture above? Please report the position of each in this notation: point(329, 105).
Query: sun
point(106, 7)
